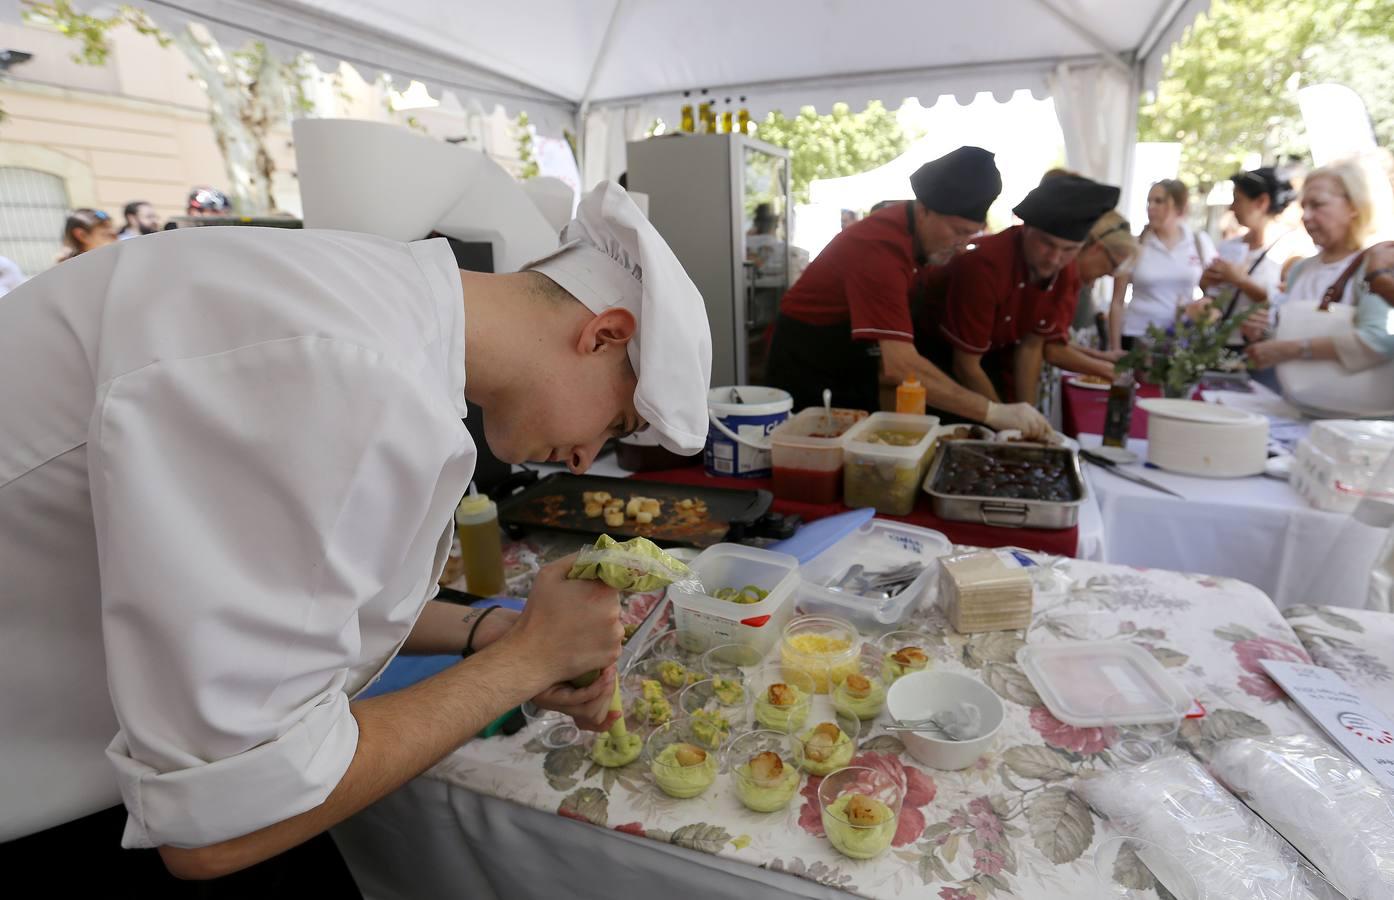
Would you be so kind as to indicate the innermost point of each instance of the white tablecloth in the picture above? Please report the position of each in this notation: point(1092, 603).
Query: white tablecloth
point(1254, 529)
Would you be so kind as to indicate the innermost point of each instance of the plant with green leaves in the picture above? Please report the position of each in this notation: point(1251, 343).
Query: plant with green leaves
point(1229, 86)
point(1176, 356)
point(527, 154)
point(834, 145)
point(249, 90)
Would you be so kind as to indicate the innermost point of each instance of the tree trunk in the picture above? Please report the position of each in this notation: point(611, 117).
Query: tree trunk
point(241, 115)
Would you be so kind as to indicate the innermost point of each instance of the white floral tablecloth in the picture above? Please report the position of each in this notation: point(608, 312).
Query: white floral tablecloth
point(1357, 643)
point(1009, 826)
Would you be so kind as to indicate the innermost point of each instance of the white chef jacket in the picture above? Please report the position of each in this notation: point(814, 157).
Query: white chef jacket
point(1163, 279)
point(227, 469)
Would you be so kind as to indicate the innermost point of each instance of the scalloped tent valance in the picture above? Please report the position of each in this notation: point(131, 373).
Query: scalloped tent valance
point(558, 59)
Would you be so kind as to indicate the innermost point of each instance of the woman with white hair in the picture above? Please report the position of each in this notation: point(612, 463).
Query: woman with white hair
point(1333, 347)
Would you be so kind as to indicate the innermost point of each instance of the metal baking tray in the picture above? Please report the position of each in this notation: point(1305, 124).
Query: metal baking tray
point(555, 503)
point(1006, 512)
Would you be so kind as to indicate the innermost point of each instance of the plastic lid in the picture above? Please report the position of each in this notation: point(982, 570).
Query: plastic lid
point(817, 536)
point(1076, 679)
point(474, 507)
point(1196, 411)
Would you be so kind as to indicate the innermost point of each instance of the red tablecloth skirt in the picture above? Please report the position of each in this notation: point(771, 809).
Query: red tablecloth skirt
point(1082, 410)
point(1063, 542)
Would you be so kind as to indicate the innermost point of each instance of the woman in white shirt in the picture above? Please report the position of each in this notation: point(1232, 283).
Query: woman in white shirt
point(1167, 271)
point(1337, 212)
point(1249, 267)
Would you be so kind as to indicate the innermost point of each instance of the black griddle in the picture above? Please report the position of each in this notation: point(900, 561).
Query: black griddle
point(554, 503)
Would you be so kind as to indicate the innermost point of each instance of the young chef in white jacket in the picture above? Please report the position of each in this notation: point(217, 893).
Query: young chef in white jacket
point(227, 470)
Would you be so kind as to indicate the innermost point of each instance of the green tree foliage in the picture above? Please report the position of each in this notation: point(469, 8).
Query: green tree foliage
point(1229, 87)
point(527, 154)
point(831, 146)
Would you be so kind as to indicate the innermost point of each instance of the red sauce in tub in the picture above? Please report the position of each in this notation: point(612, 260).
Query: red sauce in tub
point(807, 485)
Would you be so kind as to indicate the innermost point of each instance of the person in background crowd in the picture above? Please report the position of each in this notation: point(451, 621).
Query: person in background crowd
point(763, 245)
point(207, 201)
point(11, 275)
point(85, 229)
point(1248, 268)
point(989, 314)
point(846, 324)
point(1337, 211)
point(141, 218)
point(850, 217)
point(1167, 270)
point(1110, 249)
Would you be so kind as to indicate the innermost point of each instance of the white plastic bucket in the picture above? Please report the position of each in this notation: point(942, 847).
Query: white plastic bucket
point(738, 438)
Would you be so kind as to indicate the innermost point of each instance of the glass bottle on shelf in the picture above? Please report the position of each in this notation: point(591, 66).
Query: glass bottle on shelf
point(688, 123)
point(744, 118)
point(728, 123)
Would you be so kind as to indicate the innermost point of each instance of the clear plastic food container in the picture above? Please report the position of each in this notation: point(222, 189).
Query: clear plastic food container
point(845, 579)
point(825, 648)
point(885, 459)
point(704, 622)
point(806, 452)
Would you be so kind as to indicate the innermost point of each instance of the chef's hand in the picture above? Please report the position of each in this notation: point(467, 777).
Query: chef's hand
point(1106, 355)
point(568, 627)
point(1270, 353)
point(1256, 325)
point(1021, 416)
point(589, 706)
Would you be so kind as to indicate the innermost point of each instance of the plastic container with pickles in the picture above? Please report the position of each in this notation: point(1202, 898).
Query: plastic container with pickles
point(884, 461)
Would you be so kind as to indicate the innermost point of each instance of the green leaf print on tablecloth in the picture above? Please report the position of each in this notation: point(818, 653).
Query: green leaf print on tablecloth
point(1060, 823)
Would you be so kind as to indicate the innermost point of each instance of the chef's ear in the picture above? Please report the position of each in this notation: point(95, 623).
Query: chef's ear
point(609, 330)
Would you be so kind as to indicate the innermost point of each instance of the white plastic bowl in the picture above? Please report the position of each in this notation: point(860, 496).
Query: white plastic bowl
point(920, 695)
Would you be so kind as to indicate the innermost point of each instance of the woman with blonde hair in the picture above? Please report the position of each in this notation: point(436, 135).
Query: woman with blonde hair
point(1333, 346)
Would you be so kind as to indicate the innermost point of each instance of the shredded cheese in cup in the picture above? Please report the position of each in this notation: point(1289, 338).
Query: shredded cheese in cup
point(822, 647)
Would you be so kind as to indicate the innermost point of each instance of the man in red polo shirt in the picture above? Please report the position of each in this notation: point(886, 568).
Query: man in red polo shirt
point(993, 314)
point(845, 325)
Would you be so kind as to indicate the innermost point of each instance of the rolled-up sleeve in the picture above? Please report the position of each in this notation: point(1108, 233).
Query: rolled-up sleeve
point(247, 504)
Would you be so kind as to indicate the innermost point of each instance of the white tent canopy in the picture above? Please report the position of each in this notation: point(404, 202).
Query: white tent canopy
point(606, 68)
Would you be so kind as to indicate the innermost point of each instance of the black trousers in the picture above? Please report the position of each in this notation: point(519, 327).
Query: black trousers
point(84, 858)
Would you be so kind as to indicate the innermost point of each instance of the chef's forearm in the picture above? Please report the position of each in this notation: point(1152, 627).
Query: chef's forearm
point(900, 360)
point(1074, 359)
point(968, 371)
point(443, 628)
point(400, 735)
point(1026, 368)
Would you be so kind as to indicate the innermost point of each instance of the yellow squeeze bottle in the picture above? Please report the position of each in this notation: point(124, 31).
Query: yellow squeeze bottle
point(481, 548)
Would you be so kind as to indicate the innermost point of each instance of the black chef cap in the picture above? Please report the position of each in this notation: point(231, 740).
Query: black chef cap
point(1266, 180)
point(1067, 205)
point(962, 183)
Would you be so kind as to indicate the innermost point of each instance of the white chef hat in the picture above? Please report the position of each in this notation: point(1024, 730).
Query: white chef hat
point(610, 256)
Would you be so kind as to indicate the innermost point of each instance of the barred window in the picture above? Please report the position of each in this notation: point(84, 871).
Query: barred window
point(33, 208)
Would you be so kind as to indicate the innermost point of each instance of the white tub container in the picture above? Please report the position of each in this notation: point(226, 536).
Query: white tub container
point(704, 622)
point(1194, 438)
